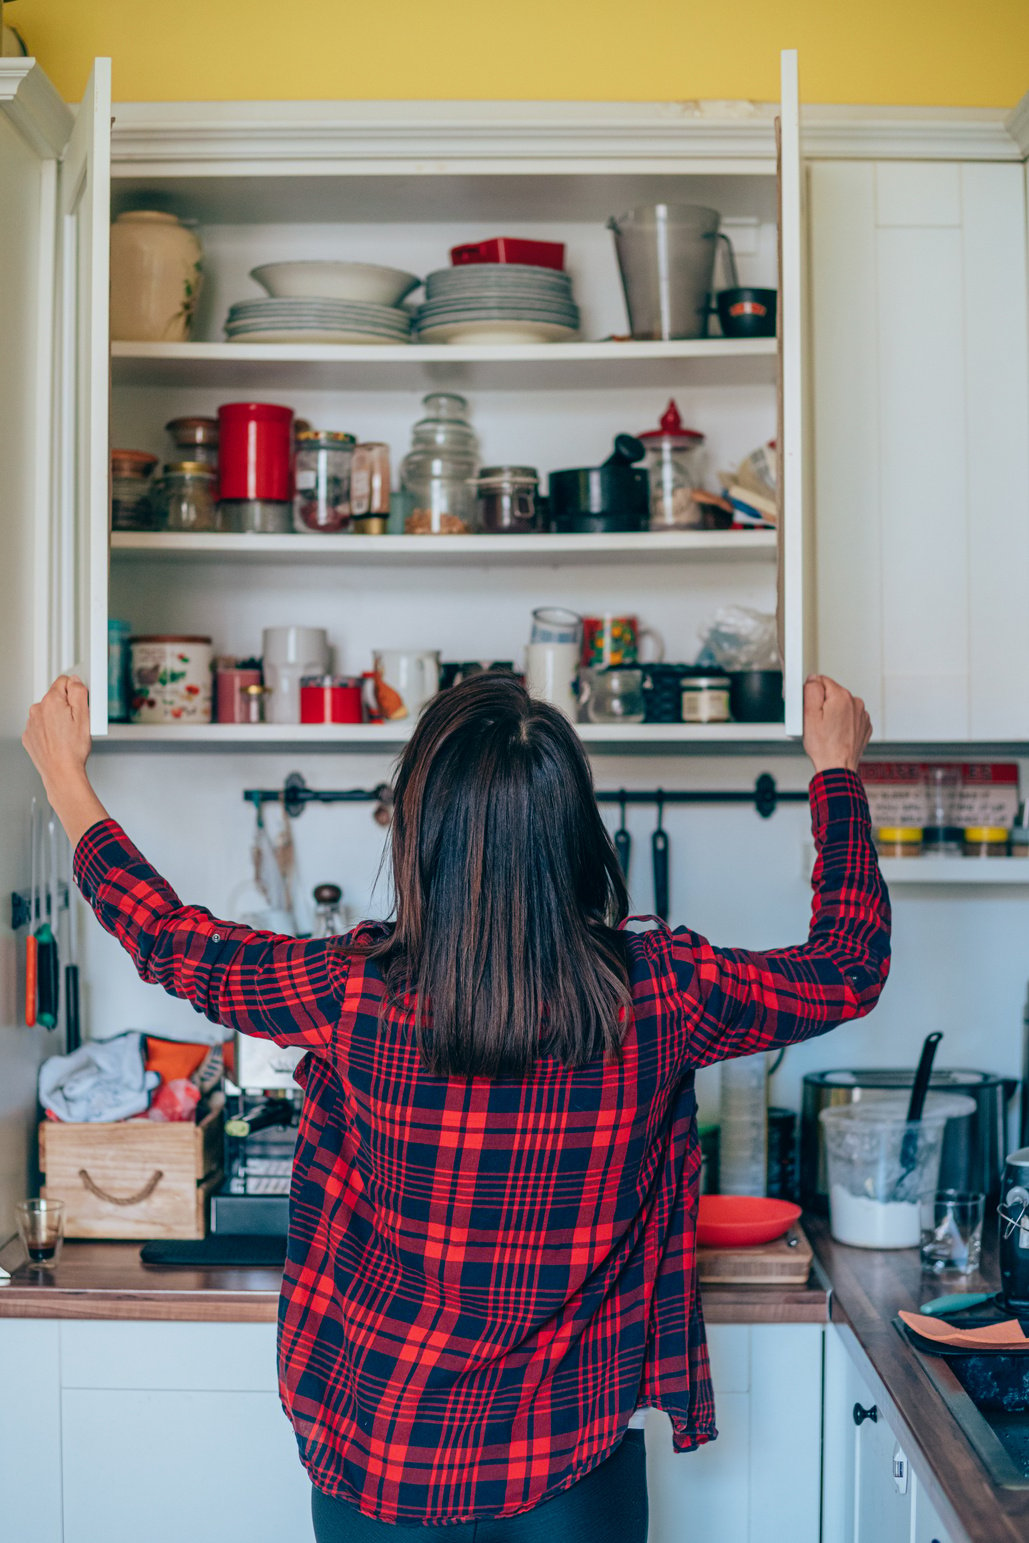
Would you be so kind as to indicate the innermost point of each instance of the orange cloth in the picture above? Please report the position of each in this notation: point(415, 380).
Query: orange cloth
point(173, 1060)
point(995, 1336)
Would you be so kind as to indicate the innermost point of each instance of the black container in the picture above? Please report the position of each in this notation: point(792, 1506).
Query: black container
point(593, 500)
point(747, 313)
point(662, 692)
point(755, 696)
point(781, 1177)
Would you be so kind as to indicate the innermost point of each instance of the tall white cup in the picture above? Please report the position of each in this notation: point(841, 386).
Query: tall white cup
point(288, 654)
point(550, 672)
point(406, 678)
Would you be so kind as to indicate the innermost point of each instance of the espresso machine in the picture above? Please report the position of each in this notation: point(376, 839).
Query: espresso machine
point(262, 1111)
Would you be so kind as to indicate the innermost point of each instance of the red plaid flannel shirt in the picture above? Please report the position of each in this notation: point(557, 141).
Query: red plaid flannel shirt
point(485, 1279)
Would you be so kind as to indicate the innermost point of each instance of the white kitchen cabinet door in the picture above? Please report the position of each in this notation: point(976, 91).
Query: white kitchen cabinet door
point(921, 408)
point(861, 1500)
point(796, 618)
point(81, 396)
point(926, 1526)
point(30, 1430)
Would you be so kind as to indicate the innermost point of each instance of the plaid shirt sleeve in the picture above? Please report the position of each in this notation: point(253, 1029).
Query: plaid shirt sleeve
point(284, 989)
point(737, 1002)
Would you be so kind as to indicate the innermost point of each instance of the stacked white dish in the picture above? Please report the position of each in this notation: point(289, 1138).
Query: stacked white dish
point(497, 303)
point(324, 302)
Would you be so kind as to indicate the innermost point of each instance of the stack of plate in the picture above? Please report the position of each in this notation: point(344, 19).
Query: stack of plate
point(497, 303)
point(317, 321)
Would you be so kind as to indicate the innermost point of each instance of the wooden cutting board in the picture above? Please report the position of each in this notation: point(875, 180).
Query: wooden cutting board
point(766, 1264)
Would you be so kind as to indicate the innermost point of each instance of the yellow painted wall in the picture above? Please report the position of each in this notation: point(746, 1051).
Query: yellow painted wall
point(953, 52)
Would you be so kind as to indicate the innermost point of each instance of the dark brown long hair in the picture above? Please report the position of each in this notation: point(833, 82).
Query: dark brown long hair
point(508, 891)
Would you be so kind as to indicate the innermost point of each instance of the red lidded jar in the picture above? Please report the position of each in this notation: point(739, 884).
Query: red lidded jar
point(255, 451)
point(330, 699)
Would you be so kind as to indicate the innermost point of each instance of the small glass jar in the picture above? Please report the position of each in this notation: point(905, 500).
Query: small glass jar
point(254, 698)
point(321, 501)
point(614, 695)
point(507, 500)
point(184, 498)
point(438, 469)
point(131, 508)
point(673, 455)
point(899, 840)
point(195, 439)
point(943, 841)
point(986, 841)
point(370, 481)
point(328, 917)
point(705, 699)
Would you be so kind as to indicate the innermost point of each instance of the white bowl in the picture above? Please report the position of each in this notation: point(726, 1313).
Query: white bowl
point(316, 280)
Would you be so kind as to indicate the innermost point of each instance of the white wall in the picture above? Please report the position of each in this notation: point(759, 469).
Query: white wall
point(961, 960)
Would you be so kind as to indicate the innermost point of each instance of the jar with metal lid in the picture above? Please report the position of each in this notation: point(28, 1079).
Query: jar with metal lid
point(254, 697)
point(321, 498)
point(705, 698)
point(673, 455)
point(986, 841)
point(438, 469)
point(131, 508)
point(899, 840)
point(195, 439)
point(184, 498)
point(507, 499)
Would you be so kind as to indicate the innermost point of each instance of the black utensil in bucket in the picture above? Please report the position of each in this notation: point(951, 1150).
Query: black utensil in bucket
point(916, 1104)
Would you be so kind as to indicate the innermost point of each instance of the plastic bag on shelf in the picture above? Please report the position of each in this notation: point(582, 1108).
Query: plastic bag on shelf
point(738, 638)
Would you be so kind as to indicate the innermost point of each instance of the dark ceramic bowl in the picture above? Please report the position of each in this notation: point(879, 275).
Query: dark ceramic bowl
point(747, 313)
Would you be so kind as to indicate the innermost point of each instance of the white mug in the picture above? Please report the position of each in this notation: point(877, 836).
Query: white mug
point(288, 654)
point(405, 679)
point(550, 673)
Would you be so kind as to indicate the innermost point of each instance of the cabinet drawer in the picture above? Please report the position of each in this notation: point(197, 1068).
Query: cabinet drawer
point(729, 1348)
point(238, 1357)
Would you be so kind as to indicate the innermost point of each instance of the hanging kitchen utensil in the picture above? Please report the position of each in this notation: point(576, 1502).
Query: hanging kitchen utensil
point(72, 1026)
point(623, 841)
point(659, 855)
point(916, 1104)
point(31, 957)
point(46, 940)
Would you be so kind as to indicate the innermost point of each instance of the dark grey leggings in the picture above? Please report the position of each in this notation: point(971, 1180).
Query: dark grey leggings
point(609, 1505)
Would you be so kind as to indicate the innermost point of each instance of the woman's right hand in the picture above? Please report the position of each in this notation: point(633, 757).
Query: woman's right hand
point(837, 727)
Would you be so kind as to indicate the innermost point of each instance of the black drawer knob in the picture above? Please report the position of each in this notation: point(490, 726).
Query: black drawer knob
point(861, 1415)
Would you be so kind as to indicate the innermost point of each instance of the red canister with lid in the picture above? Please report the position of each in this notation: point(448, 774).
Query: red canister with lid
point(255, 451)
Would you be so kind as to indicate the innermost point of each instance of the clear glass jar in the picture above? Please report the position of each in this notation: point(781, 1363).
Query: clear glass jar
point(328, 917)
point(507, 499)
point(184, 498)
point(438, 469)
point(614, 695)
point(704, 698)
point(131, 508)
point(987, 841)
point(370, 481)
point(673, 457)
point(195, 439)
point(321, 501)
point(899, 840)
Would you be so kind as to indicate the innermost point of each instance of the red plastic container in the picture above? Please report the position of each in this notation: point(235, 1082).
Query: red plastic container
point(255, 451)
point(330, 699)
point(743, 1221)
point(510, 249)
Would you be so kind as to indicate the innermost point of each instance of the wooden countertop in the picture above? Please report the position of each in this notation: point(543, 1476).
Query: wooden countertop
point(108, 1280)
point(869, 1287)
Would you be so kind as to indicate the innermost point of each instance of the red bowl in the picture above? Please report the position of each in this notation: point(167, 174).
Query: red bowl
point(743, 1221)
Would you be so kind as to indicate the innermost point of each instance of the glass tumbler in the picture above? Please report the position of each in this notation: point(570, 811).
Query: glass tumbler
point(952, 1231)
point(41, 1225)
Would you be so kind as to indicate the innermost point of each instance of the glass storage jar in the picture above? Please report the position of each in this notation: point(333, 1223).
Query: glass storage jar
point(321, 498)
point(507, 499)
point(987, 841)
point(438, 469)
point(184, 497)
point(673, 455)
point(899, 840)
point(370, 486)
point(131, 508)
point(195, 439)
point(704, 698)
point(613, 695)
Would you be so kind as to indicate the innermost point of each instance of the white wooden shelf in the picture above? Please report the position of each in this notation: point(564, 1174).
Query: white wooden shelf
point(390, 366)
point(473, 550)
point(366, 736)
point(979, 871)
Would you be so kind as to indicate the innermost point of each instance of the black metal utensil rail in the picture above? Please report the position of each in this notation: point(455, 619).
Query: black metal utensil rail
point(764, 797)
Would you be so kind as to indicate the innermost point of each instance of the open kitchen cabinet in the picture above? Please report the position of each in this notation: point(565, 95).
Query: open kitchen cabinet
point(400, 185)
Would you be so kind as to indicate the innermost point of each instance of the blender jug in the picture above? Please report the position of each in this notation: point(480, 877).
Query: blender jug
point(666, 256)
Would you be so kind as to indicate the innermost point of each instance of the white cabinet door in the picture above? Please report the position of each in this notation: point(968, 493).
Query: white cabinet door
point(795, 541)
point(861, 1501)
point(81, 393)
point(926, 1525)
point(921, 409)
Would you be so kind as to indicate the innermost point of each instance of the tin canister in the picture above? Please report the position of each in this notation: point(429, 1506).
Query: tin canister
point(171, 680)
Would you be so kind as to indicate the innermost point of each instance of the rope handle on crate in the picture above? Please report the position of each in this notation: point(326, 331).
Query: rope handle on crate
point(136, 1199)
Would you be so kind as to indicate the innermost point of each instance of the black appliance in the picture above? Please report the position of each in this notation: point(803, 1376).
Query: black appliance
point(1013, 1222)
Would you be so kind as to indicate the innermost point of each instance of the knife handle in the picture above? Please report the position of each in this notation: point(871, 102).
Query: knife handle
point(659, 852)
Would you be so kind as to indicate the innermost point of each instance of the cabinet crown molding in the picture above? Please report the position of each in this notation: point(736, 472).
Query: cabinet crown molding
point(164, 136)
point(30, 102)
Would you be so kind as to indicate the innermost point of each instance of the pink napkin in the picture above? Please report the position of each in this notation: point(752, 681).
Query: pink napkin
point(995, 1336)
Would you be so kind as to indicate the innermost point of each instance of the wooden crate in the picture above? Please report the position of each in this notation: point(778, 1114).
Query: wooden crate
point(132, 1178)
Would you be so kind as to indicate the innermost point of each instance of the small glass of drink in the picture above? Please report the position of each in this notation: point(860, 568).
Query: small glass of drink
point(41, 1224)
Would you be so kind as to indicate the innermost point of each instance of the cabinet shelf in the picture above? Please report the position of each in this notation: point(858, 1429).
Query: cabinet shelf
point(955, 870)
point(472, 550)
point(392, 366)
point(386, 736)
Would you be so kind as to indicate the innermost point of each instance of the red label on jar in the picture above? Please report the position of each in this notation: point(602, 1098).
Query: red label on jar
point(332, 702)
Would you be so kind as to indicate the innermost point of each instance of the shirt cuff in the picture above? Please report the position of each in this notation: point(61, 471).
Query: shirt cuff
point(837, 798)
point(103, 847)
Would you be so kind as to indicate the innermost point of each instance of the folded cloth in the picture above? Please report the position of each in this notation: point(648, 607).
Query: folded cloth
point(992, 1336)
point(106, 1079)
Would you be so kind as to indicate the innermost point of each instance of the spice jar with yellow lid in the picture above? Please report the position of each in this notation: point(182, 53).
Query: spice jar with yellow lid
point(899, 840)
point(987, 841)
